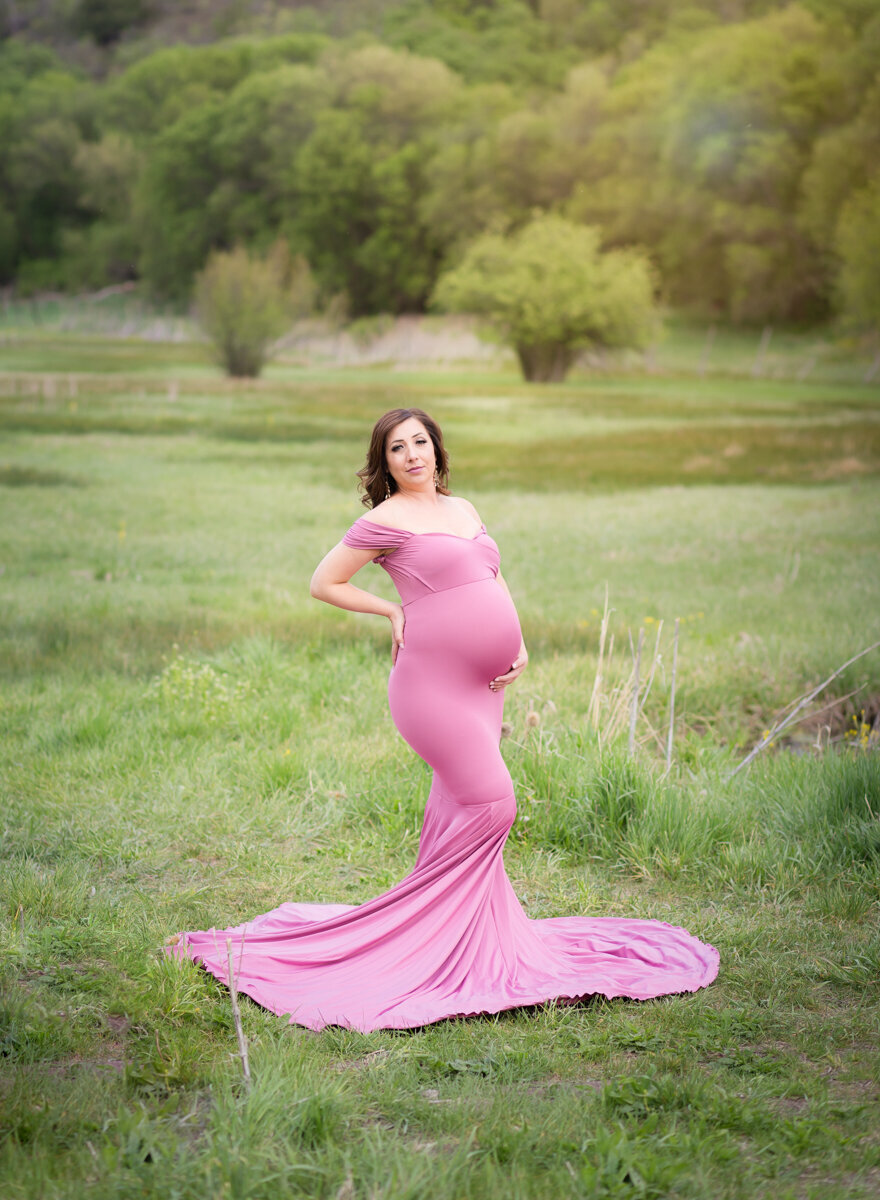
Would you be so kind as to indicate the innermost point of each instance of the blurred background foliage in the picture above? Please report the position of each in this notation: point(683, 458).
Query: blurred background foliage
point(733, 143)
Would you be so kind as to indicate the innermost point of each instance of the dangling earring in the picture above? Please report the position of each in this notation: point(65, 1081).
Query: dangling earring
point(436, 479)
point(387, 489)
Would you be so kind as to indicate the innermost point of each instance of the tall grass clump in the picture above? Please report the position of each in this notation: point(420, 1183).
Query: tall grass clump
point(830, 807)
point(791, 822)
point(682, 829)
point(591, 808)
point(607, 805)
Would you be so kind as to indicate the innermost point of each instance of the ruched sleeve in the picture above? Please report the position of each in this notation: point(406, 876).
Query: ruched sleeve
point(367, 535)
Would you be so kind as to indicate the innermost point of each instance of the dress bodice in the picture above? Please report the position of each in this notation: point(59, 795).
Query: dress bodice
point(421, 563)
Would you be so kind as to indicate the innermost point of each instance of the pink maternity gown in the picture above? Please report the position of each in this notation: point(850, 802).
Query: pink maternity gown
point(451, 939)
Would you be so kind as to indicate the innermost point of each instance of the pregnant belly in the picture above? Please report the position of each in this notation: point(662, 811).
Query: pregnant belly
point(455, 641)
point(471, 631)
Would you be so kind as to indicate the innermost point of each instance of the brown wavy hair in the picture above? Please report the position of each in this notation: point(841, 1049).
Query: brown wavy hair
point(375, 475)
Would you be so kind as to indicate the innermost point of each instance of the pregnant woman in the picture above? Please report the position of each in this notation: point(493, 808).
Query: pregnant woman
point(451, 939)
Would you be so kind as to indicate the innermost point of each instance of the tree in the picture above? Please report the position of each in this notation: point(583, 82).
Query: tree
point(858, 245)
point(842, 160)
point(700, 154)
point(245, 304)
point(360, 179)
point(41, 123)
point(178, 224)
point(105, 250)
point(107, 20)
point(552, 292)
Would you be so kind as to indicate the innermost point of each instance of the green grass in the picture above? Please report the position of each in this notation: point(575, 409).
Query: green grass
point(188, 739)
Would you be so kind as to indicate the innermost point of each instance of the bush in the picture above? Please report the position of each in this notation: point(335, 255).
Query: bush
point(245, 304)
point(552, 291)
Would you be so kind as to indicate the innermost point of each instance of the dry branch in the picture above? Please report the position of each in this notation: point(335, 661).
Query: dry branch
point(797, 706)
point(654, 661)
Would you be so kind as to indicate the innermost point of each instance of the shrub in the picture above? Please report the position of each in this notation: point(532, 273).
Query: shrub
point(552, 292)
point(244, 305)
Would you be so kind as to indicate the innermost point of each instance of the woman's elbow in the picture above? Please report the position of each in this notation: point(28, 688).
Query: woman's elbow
point(316, 588)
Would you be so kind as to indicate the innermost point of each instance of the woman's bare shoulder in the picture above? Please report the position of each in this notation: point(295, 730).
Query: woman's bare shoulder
point(466, 505)
point(382, 514)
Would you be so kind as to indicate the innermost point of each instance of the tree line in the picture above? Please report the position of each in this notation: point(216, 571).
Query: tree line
point(740, 157)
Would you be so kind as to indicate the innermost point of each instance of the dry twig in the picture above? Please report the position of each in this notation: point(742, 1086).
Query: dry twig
point(797, 706)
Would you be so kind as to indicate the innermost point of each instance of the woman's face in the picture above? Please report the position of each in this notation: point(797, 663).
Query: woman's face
point(409, 453)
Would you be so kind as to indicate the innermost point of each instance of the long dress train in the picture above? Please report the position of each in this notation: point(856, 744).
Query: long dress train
point(451, 939)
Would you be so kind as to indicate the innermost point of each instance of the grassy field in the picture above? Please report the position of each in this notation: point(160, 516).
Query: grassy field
point(188, 739)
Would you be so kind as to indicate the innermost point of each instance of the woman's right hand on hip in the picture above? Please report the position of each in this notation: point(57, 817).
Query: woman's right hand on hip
point(398, 620)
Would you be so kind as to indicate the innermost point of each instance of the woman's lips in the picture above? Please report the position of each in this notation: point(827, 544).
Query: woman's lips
point(412, 470)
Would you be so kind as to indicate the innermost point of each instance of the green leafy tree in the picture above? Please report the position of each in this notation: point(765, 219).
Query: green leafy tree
point(178, 224)
point(158, 90)
point(105, 249)
point(858, 245)
point(552, 292)
point(265, 121)
point(41, 124)
point(841, 162)
point(700, 154)
point(360, 180)
point(8, 245)
point(462, 196)
point(244, 304)
point(225, 173)
point(491, 40)
point(107, 20)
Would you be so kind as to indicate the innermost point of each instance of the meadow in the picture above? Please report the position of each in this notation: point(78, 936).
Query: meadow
point(189, 739)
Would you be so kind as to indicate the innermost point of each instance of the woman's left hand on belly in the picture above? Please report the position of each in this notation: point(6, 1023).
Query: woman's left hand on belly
point(517, 667)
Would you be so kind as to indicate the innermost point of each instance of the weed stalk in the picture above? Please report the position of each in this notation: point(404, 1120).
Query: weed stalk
point(672, 699)
point(236, 1016)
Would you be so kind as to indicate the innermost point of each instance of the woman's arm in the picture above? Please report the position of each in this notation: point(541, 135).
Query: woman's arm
point(330, 583)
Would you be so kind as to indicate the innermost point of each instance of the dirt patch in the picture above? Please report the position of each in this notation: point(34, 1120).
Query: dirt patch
point(850, 721)
point(374, 1059)
point(840, 468)
point(853, 1091)
point(76, 1063)
point(703, 462)
point(546, 1088)
point(854, 721)
point(788, 1106)
point(859, 1183)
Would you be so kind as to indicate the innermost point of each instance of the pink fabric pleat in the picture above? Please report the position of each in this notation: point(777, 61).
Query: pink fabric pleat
point(451, 938)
